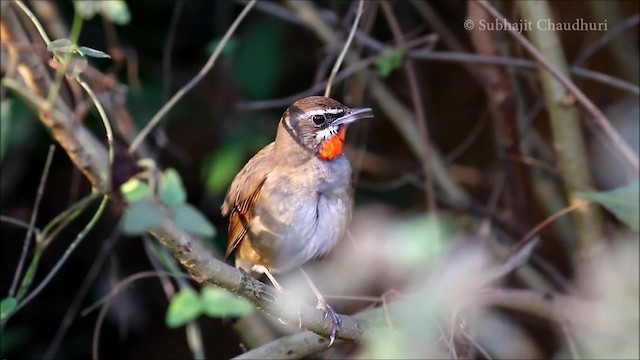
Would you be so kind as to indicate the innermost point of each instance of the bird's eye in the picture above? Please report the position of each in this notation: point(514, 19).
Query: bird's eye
point(318, 119)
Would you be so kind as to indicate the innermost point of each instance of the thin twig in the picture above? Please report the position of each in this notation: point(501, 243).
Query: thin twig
point(18, 222)
point(205, 69)
point(598, 116)
point(32, 222)
point(82, 291)
point(607, 37)
point(121, 285)
point(536, 229)
point(81, 235)
point(418, 106)
point(345, 48)
point(168, 47)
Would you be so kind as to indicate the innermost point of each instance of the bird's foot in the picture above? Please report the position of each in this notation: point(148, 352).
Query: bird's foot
point(335, 319)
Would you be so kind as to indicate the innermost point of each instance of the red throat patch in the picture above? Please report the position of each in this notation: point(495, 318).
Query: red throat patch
point(332, 147)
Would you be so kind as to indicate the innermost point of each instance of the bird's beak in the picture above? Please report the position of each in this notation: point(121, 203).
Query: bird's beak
point(353, 115)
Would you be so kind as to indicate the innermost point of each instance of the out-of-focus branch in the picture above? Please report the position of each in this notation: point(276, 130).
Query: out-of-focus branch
point(401, 117)
point(502, 103)
point(562, 309)
point(559, 73)
point(567, 134)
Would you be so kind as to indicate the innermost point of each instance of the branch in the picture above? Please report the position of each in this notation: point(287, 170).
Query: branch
point(565, 124)
point(90, 155)
point(559, 73)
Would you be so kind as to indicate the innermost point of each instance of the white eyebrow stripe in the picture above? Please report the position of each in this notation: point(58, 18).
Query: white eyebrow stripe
point(325, 111)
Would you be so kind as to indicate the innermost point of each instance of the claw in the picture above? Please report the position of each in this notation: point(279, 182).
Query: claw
point(335, 319)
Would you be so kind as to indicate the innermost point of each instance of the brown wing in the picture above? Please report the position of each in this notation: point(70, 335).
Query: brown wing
point(243, 194)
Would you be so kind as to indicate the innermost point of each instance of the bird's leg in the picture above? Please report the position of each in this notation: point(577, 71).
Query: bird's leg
point(324, 306)
point(263, 270)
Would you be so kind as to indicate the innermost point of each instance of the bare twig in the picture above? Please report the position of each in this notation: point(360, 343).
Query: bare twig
point(599, 117)
point(536, 229)
point(603, 40)
point(72, 310)
point(418, 106)
point(193, 82)
point(32, 222)
point(345, 48)
point(168, 47)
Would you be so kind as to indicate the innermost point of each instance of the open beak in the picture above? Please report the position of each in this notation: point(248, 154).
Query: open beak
point(353, 115)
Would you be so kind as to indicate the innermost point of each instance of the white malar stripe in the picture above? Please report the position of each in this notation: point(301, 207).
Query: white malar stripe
point(327, 133)
point(324, 111)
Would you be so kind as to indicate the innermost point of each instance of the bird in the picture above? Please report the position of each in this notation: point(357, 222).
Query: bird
point(293, 199)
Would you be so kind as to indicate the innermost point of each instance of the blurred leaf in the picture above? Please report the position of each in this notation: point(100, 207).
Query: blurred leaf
point(421, 239)
point(390, 60)
point(230, 49)
point(77, 64)
point(134, 190)
point(623, 202)
point(171, 190)
point(15, 336)
point(87, 9)
point(218, 302)
point(61, 46)
point(87, 51)
point(16, 126)
point(260, 58)
point(141, 216)
point(115, 11)
point(6, 306)
point(184, 307)
point(192, 221)
point(5, 125)
point(223, 165)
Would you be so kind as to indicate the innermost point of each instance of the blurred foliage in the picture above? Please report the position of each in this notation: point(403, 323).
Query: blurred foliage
point(115, 11)
point(261, 57)
point(623, 202)
point(390, 60)
point(432, 264)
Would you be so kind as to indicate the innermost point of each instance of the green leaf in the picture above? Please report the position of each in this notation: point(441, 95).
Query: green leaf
point(623, 202)
point(390, 60)
point(87, 51)
point(184, 307)
point(218, 302)
point(171, 189)
point(141, 216)
point(6, 306)
point(192, 221)
point(134, 190)
point(61, 46)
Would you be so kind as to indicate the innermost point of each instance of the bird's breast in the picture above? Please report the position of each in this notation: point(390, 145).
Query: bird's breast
point(301, 215)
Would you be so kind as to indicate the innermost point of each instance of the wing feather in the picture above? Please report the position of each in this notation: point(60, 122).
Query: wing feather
point(243, 194)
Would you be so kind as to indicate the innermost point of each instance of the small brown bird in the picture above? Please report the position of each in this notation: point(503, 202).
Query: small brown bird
point(292, 201)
